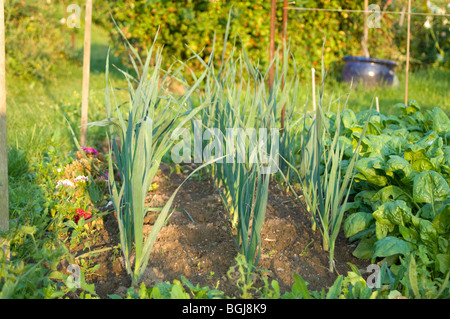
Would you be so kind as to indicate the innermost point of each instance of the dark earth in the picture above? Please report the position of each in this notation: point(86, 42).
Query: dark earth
point(198, 244)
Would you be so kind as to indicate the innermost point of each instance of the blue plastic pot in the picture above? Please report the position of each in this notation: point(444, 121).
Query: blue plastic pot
point(372, 72)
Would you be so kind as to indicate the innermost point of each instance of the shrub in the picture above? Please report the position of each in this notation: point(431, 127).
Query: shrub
point(194, 22)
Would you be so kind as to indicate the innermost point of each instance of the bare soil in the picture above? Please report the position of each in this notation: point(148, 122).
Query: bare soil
point(197, 242)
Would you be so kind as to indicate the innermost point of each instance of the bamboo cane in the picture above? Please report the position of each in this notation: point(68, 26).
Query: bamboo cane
point(408, 40)
point(366, 30)
point(4, 207)
point(285, 15)
point(273, 11)
point(86, 70)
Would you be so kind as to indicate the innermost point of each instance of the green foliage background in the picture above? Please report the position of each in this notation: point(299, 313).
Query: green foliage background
point(194, 23)
point(38, 39)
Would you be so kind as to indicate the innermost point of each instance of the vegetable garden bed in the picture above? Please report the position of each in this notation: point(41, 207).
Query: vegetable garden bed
point(203, 250)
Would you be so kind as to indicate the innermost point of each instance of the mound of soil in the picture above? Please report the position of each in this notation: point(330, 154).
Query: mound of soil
point(198, 243)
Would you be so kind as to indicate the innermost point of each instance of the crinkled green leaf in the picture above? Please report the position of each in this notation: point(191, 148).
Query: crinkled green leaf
point(428, 234)
point(430, 187)
point(389, 246)
point(422, 165)
point(390, 214)
point(356, 222)
point(440, 122)
point(443, 262)
point(397, 212)
point(365, 248)
point(408, 234)
point(418, 150)
point(346, 144)
point(372, 170)
point(397, 166)
point(391, 193)
point(442, 220)
point(377, 144)
point(366, 197)
point(348, 118)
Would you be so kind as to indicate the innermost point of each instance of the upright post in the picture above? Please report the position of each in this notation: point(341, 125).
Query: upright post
point(273, 11)
point(366, 30)
point(408, 40)
point(285, 15)
point(86, 70)
point(4, 207)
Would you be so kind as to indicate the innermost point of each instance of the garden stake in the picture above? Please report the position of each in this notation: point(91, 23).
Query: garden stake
point(4, 209)
point(283, 110)
point(86, 69)
point(377, 104)
point(408, 40)
point(273, 12)
point(313, 91)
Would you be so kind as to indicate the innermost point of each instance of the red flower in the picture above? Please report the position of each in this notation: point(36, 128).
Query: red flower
point(81, 213)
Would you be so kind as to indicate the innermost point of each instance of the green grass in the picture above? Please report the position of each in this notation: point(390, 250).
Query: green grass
point(36, 110)
point(430, 88)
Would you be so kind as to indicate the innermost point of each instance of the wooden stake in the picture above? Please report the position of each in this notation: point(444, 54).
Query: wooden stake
point(377, 104)
point(366, 30)
point(285, 15)
point(408, 40)
point(4, 207)
point(273, 11)
point(86, 70)
point(313, 79)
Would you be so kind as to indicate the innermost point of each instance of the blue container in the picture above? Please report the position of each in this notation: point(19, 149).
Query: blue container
point(372, 72)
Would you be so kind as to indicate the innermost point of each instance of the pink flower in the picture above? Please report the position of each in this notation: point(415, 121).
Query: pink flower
point(81, 179)
point(66, 183)
point(90, 150)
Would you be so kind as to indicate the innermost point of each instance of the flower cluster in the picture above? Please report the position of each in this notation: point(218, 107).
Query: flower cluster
point(81, 213)
point(81, 178)
point(66, 183)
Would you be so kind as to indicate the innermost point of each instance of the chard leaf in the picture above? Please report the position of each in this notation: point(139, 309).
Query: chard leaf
point(372, 170)
point(357, 222)
point(422, 165)
point(390, 214)
point(443, 262)
point(440, 122)
point(389, 246)
point(408, 234)
point(366, 197)
point(398, 166)
point(391, 193)
point(418, 150)
point(365, 248)
point(348, 118)
point(429, 187)
point(442, 220)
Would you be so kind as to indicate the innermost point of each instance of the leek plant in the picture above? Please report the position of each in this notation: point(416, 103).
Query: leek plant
point(145, 137)
point(242, 110)
point(325, 177)
point(241, 120)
